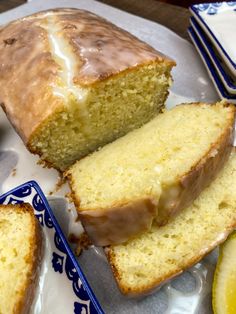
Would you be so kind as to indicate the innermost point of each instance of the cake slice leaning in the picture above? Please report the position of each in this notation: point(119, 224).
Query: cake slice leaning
point(147, 261)
point(152, 172)
point(20, 257)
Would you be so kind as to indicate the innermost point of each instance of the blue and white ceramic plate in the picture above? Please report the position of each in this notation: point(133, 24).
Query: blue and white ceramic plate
point(227, 80)
point(210, 68)
point(62, 285)
point(218, 20)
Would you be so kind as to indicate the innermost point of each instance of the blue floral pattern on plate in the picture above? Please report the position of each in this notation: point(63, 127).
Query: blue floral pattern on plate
point(205, 14)
point(62, 261)
point(213, 8)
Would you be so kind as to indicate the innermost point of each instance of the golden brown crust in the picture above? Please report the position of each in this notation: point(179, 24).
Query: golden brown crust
point(27, 73)
point(72, 196)
point(34, 259)
point(123, 50)
point(157, 282)
point(30, 72)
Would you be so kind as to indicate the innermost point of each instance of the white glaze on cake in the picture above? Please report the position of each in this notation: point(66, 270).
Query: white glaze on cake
point(67, 47)
point(65, 58)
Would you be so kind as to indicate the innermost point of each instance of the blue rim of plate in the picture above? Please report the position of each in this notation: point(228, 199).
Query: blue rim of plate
point(73, 270)
point(210, 68)
point(196, 8)
point(208, 47)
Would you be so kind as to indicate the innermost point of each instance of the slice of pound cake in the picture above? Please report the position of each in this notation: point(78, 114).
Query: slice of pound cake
point(143, 263)
point(153, 172)
point(79, 82)
point(20, 257)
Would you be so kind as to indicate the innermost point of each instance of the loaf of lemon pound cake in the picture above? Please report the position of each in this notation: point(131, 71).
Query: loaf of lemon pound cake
point(71, 82)
point(145, 262)
point(151, 173)
point(20, 258)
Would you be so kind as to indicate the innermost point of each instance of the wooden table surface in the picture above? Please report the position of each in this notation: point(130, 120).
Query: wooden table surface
point(172, 16)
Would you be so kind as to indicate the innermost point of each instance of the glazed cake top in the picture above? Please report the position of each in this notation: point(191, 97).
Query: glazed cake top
point(48, 56)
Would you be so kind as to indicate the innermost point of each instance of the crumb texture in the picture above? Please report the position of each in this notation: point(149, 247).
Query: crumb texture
point(17, 261)
point(142, 263)
point(110, 109)
point(79, 82)
point(157, 154)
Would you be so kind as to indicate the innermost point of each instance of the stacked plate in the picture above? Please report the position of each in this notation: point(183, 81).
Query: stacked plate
point(213, 32)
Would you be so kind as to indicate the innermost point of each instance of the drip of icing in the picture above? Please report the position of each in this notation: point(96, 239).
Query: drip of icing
point(65, 58)
point(75, 227)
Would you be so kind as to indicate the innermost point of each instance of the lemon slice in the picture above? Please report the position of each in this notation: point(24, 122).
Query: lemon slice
point(224, 284)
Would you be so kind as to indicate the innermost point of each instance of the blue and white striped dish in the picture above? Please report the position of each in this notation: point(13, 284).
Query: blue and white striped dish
point(218, 21)
point(70, 291)
point(227, 80)
point(210, 68)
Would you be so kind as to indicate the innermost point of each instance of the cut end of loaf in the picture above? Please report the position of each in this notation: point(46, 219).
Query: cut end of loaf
point(112, 108)
point(141, 264)
point(81, 82)
point(20, 257)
